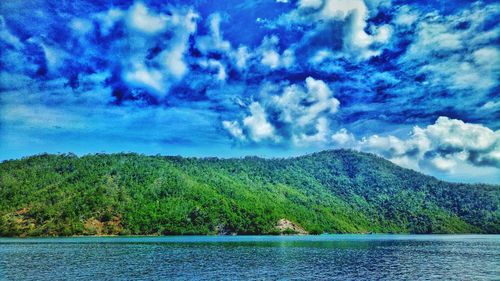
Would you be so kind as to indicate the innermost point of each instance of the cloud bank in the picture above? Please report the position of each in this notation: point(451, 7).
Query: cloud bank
point(444, 146)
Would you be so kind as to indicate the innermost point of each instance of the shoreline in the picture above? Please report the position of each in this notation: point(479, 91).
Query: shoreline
point(250, 235)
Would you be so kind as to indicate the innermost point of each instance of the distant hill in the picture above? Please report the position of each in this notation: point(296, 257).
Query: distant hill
point(338, 191)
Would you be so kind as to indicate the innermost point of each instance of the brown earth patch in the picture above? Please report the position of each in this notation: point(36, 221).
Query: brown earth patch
point(285, 226)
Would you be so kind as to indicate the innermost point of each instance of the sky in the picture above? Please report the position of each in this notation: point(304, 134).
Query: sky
point(416, 82)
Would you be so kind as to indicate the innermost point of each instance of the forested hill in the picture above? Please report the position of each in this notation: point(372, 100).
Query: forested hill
point(338, 191)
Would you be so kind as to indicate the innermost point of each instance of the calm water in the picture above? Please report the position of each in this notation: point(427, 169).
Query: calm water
point(332, 257)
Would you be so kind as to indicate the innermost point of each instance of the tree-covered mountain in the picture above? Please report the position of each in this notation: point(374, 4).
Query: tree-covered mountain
point(338, 191)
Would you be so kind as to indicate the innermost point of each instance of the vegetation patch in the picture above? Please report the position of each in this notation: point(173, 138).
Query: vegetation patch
point(337, 191)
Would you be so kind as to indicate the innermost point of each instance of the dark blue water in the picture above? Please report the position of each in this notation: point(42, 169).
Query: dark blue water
point(325, 257)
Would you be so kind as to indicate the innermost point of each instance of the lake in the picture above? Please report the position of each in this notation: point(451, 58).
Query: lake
point(323, 257)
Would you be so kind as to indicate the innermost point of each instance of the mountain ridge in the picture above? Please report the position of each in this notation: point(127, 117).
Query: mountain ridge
point(334, 191)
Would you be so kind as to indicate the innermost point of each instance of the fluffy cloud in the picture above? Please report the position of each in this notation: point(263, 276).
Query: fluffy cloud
point(390, 66)
point(342, 19)
point(444, 146)
point(214, 44)
point(303, 107)
point(157, 72)
point(405, 16)
point(141, 19)
point(343, 138)
point(257, 124)
point(108, 19)
point(144, 50)
point(455, 52)
point(270, 56)
point(214, 41)
point(233, 127)
point(301, 114)
point(320, 136)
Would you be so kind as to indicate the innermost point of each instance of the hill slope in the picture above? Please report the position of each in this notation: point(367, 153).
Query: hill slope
point(337, 191)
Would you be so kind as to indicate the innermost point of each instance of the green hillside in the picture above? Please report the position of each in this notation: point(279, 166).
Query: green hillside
point(337, 191)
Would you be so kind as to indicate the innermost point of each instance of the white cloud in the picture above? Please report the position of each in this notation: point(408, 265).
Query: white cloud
point(320, 136)
point(461, 59)
point(54, 56)
point(81, 26)
point(214, 41)
point(291, 103)
point(357, 44)
point(495, 105)
point(487, 58)
point(168, 66)
point(172, 59)
point(216, 65)
point(405, 16)
point(108, 19)
point(456, 134)
point(183, 25)
point(233, 127)
point(143, 20)
point(343, 138)
point(257, 124)
point(270, 56)
point(241, 56)
point(7, 37)
point(302, 112)
point(310, 4)
point(448, 145)
point(149, 78)
point(321, 98)
point(443, 163)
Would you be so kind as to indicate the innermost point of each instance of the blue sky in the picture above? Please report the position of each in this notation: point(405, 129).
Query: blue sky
point(416, 82)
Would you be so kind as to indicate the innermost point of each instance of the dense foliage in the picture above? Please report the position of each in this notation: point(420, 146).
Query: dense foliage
point(333, 191)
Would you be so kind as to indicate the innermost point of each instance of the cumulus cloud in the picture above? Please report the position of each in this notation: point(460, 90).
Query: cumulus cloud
point(168, 65)
point(240, 57)
point(234, 128)
point(320, 136)
point(142, 76)
point(257, 124)
point(304, 106)
point(390, 65)
point(214, 41)
point(144, 47)
point(443, 146)
point(141, 19)
point(270, 56)
point(216, 66)
point(300, 112)
point(343, 138)
point(345, 20)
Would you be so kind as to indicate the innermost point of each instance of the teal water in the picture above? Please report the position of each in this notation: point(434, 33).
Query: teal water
point(324, 257)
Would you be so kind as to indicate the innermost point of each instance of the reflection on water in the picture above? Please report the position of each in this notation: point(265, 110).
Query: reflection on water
point(332, 257)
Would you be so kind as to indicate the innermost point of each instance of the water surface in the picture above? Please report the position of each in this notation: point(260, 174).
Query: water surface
point(324, 257)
